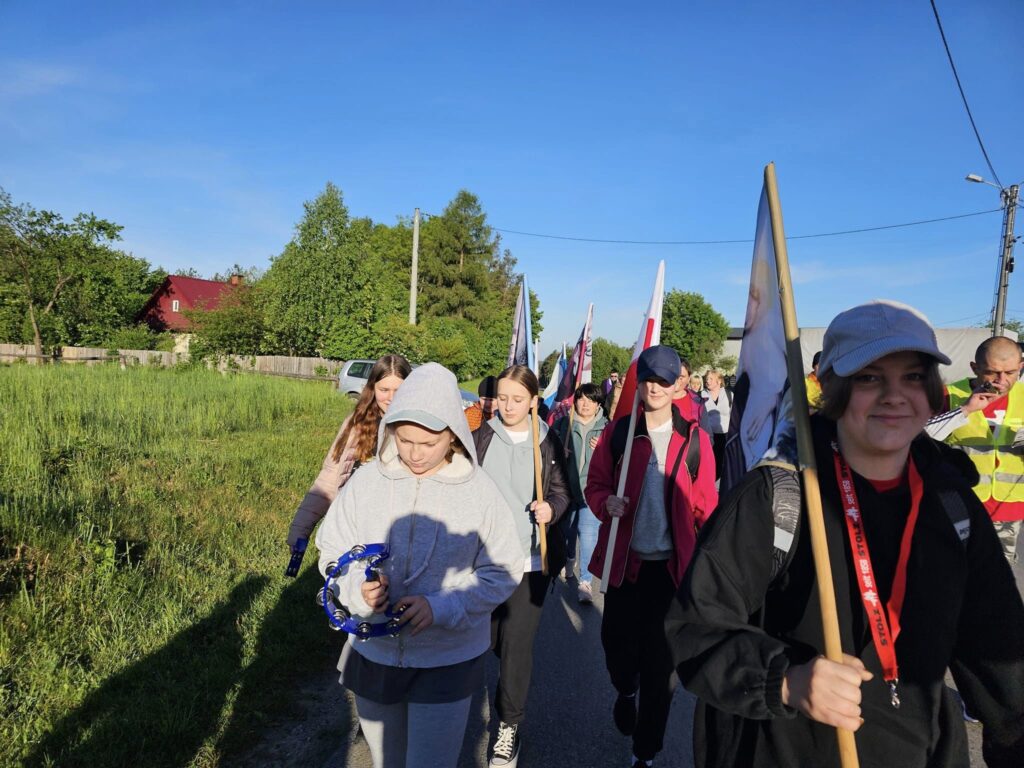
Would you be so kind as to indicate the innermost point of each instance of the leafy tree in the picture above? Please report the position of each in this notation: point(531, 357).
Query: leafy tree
point(380, 284)
point(456, 251)
point(234, 327)
point(43, 259)
point(139, 336)
point(608, 357)
point(693, 328)
point(311, 282)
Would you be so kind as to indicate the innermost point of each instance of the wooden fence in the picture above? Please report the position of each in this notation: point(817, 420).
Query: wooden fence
point(316, 368)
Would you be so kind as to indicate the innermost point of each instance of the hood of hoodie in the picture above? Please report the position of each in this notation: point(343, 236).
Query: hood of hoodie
point(429, 393)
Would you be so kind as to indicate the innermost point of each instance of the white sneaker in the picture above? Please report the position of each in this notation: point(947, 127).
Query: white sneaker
point(584, 593)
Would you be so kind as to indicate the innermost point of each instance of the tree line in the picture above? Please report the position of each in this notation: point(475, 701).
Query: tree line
point(338, 289)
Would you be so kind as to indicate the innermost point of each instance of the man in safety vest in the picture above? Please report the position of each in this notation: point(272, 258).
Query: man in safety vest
point(986, 421)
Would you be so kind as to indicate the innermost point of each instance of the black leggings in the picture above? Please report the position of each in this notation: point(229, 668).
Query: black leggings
point(513, 627)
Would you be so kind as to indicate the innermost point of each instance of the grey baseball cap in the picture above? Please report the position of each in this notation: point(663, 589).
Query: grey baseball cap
point(416, 416)
point(867, 332)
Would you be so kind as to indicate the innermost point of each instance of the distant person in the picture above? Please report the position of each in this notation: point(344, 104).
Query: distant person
point(696, 383)
point(689, 403)
point(580, 438)
point(608, 384)
point(483, 409)
point(454, 557)
point(812, 384)
point(718, 406)
point(669, 493)
point(355, 444)
point(987, 423)
point(611, 399)
point(504, 446)
point(920, 584)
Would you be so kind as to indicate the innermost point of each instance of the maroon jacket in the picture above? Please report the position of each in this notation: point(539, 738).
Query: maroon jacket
point(688, 503)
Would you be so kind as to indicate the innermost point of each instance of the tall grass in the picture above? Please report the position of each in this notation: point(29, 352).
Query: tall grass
point(143, 616)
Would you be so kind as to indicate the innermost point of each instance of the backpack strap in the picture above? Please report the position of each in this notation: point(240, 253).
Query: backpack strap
point(786, 504)
point(953, 503)
point(693, 452)
point(619, 435)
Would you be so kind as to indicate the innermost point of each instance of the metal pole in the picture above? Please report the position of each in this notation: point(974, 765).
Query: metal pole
point(1009, 197)
point(414, 273)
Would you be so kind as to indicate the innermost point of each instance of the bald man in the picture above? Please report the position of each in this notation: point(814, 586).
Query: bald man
point(987, 423)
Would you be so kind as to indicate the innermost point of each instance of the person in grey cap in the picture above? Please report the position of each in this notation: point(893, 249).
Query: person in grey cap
point(669, 493)
point(919, 582)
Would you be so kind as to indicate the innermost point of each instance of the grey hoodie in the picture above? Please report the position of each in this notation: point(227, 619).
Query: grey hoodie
point(451, 534)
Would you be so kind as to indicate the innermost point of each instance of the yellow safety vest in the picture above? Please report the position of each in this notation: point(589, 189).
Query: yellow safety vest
point(1002, 472)
point(813, 391)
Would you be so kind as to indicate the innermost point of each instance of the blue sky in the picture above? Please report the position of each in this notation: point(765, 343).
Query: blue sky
point(202, 128)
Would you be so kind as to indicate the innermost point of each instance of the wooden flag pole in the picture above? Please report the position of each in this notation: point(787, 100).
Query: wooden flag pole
point(609, 551)
point(805, 449)
point(538, 478)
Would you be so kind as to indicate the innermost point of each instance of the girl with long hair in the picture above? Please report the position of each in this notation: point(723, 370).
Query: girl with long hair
point(355, 444)
point(504, 446)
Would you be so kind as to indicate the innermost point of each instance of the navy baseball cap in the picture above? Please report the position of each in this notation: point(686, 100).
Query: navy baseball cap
point(658, 362)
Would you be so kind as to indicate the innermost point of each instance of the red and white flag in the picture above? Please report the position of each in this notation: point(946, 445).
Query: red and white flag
point(650, 335)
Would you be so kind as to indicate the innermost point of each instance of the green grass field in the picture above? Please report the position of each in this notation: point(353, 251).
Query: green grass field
point(144, 618)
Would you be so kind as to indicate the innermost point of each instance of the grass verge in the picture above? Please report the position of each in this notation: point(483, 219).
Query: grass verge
point(144, 618)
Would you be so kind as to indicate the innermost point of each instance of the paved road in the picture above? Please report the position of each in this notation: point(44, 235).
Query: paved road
point(568, 714)
point(569, 720)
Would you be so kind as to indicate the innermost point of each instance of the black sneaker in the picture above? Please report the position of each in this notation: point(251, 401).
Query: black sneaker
point(506, 747)
point(624, 713)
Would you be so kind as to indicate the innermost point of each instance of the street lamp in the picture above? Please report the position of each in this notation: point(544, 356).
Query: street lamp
point(1008, 199)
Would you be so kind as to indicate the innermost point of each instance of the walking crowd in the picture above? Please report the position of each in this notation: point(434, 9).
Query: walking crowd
point(922, 494)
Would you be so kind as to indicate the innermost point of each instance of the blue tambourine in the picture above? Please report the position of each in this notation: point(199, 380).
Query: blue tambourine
point(338, 615)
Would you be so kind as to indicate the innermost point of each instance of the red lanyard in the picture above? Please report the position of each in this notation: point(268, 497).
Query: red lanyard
point(885, 625)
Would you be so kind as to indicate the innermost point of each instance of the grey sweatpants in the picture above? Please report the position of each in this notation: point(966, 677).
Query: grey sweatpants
point(413, 735)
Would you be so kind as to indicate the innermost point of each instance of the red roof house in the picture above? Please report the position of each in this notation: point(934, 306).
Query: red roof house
point(165, 308)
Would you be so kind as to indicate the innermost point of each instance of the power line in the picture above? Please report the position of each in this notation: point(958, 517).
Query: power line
point(964, 96)
point(727, 242)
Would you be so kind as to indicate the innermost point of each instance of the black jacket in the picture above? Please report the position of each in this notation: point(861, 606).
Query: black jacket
point(734, 635)
point(554, 483)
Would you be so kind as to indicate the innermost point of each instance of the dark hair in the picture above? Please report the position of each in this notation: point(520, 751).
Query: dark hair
point(520, 374)
point(816, 358)
point(362, 426)
point(836, 390)
point(488, 387)
point(684, 363)
point(590, 391)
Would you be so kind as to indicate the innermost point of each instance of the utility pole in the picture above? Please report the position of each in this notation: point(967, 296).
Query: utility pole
point(1009, 200)
point(414, 273)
